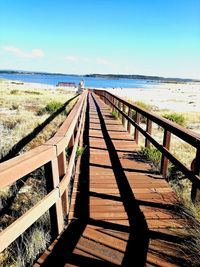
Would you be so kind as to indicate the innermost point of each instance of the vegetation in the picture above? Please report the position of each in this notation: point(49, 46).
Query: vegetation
point(19, 115)
point(176, 117)
point(19, 119)
point(151, 154)
point(50, 108)
point(143, 105)
point(80, 151)
point(114, 114)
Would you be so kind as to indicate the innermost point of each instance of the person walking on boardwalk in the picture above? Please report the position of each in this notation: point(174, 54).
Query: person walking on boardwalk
point(81, 86)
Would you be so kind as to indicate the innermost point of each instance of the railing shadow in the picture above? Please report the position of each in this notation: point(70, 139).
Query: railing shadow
point(28, 138)
point(136, 250)
point(63, 251)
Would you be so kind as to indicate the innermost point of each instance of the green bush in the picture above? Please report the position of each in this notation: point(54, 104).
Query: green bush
point(114, 114)
point(50, 108)
point(14, 92)
point(151, 154)
point(175, 117)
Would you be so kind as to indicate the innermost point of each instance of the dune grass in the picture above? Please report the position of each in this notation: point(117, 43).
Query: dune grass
point(19, 112)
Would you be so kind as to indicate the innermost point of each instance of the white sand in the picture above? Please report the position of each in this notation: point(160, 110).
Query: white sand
point(18, 85)
point(178, 97)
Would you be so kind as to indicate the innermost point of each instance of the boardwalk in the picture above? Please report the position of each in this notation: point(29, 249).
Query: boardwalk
point(122, 213)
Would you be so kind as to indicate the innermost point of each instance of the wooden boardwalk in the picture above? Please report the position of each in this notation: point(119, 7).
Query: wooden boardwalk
point(122, 213)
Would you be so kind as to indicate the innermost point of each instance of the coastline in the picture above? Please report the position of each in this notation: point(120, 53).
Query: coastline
point(175, 97)
point(20, 85)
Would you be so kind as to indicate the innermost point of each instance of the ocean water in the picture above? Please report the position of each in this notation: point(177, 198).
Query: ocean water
point(89, 81)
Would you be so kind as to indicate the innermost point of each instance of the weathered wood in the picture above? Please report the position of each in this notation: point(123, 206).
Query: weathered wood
point(129, 124)
point(123, 118)
point(164, 160)
point(62, 168)
point(120, 205)
point(148, 130)
point(16, 168)
point(136, 133)
point(195, 167)
point(56, 212)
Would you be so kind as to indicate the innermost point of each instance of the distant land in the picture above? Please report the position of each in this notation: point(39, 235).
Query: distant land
point(105, 76)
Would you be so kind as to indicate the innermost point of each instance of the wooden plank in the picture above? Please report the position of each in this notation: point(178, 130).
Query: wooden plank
point(14, 169)
point(113, 220)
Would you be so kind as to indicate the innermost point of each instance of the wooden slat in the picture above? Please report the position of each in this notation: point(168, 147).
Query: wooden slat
point(14, 169)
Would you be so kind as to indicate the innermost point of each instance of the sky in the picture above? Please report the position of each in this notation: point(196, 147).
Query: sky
point(149, 37)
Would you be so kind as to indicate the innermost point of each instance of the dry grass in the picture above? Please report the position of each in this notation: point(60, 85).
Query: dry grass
point(18, 114)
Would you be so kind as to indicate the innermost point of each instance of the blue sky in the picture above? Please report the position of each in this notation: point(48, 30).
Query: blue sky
point(151, 37)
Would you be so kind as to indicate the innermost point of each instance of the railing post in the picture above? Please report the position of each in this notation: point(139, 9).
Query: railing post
point(195, 167)
point(136, 133)
point(56, 211)
point(148, 130)
point(119, 106)
point(128, 123)
point(164, 160)
point(113, 102)
point(123, 118)
point(62, 165)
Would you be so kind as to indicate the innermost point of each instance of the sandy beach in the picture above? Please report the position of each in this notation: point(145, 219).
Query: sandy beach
point(19, 85)
point(176, 97)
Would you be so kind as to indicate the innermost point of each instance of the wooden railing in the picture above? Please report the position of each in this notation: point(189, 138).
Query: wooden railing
point(51, 155)
point(126, 110)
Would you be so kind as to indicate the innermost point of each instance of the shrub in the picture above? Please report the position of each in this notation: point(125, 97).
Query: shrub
point(151, 154)
point(32, 92)
point(50, 108)
point(175, 117)
point(14, 92)
point(80, 151)
point(114, 114)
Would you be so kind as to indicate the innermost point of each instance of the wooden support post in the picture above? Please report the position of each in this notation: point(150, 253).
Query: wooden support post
point(106, 101)
point(149, 130)
point(136, 134)
point(120, 107)
point(62, 166)
point(164, 160)
point(71, 142)
point(128, 123)
point(123, 118)
point(56, 211)
point(113, 102)
point(195, 167)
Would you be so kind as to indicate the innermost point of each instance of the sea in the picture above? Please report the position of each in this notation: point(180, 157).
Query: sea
point(90, 82)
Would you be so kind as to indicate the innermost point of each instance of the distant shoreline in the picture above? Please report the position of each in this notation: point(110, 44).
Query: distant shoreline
point(106, 76)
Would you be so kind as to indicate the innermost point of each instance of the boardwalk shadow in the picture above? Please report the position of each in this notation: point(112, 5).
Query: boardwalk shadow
point(136, 250)
point(71, 247)
point(62, 252)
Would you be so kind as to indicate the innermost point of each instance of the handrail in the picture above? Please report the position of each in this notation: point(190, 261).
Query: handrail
point(52, 156)
point(121, 106)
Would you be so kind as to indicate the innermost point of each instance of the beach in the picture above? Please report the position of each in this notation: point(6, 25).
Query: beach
point(20, 85)
point(176, 97)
